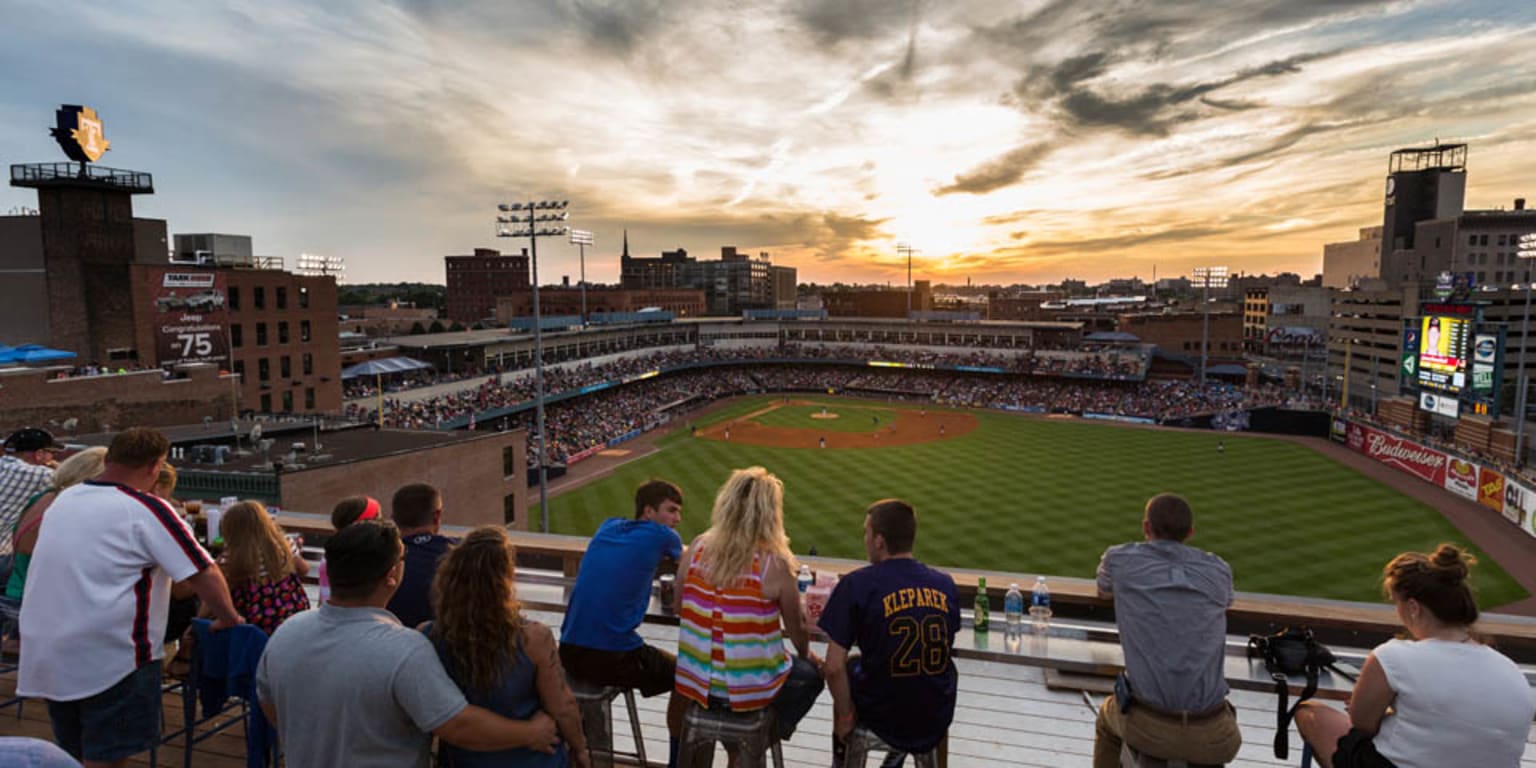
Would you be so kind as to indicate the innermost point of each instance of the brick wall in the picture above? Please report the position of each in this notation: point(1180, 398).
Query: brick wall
point(469, 473)
point(30, 396)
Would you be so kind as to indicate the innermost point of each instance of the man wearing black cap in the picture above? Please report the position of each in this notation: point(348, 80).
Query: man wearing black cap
point(25, 469)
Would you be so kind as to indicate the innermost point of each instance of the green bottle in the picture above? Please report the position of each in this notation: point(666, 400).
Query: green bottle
point(981, 620)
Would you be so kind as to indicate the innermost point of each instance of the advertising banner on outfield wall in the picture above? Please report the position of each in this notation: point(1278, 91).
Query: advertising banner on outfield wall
point(1517, 500)
point(1461, 479)
point(1530, 518)
point(1490, 489)
point(1424, 463)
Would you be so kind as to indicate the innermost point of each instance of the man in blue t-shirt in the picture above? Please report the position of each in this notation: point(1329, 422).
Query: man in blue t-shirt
point(417, 510)
point(598, 641)
point(902, 616)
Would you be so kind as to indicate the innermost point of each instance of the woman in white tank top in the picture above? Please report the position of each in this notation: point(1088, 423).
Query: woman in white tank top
point(1440, 699)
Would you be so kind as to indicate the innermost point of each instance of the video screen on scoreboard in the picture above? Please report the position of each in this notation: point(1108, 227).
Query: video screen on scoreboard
point(1443, 345)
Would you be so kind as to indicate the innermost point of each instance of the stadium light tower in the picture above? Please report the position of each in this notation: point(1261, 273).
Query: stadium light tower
point(1526, 252)
point(581, 239)
point(907, 250)
point(534, 220)
point(316, 265)
point(1209, 276)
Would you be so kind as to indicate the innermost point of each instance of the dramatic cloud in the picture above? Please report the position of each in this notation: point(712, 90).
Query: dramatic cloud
point(1006, 142)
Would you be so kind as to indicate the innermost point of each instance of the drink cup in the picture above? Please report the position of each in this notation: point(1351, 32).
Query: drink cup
point(667, 591)
point(194, 507)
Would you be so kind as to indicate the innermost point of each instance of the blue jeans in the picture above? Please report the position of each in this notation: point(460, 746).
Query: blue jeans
point(797, 695)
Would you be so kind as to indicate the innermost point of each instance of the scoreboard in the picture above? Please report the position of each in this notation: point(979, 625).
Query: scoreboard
point(1451, 360)
point(1444, 342)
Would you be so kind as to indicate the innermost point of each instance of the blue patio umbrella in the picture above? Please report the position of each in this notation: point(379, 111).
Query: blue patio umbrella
point(34, 353)
point(377, 369)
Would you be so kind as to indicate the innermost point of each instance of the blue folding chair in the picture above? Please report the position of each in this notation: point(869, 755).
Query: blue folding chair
point(223, 676)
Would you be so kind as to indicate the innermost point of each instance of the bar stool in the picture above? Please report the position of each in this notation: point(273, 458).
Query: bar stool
point(750, 733)
point(1130, 758)
point(596, 705)
point(863, 741)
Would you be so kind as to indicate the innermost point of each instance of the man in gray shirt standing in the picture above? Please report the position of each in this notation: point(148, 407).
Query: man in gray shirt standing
point(346, 684)
point(1171, 605)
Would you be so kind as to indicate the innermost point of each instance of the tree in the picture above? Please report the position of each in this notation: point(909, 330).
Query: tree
point(437, 327)
point(417, 329)
point(456, 327)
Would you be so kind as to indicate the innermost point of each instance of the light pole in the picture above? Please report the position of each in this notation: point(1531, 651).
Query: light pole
point(903, 248)
point(581, 239)
point(535, 220)
point(1527, 251)
point(1208, 276)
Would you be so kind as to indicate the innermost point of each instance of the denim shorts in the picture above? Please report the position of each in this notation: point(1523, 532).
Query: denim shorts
point(119, 722)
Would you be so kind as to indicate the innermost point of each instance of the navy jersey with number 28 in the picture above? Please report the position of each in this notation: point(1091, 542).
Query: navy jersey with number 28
point(902, 617)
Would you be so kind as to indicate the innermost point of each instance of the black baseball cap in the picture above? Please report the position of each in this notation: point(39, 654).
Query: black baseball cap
point(31, 439)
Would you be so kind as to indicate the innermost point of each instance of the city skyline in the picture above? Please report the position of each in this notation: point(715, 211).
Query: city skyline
point(1044, 141)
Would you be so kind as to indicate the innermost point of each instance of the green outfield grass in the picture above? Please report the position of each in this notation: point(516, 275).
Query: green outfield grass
point(851, 417)
point(1036, 495)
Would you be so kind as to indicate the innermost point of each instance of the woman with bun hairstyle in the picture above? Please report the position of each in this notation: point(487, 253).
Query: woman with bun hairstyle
point(1453, 700)
point(346, 512)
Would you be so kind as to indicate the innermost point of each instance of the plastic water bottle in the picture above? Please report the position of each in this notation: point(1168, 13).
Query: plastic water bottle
point(1013, 607)
point(805, 578)
point(1040, 606)
point(980, 621)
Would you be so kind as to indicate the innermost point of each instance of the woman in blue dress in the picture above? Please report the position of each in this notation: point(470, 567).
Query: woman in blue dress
point(501, 660)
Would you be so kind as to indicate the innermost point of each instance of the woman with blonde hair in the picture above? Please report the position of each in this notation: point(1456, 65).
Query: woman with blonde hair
point(1439, 698)
point(76, 469)
point(502, 661)
point(738, 587)
point(264, 573)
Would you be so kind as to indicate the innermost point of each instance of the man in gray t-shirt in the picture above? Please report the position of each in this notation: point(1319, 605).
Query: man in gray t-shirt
point(346, 684)
point(1171, 605)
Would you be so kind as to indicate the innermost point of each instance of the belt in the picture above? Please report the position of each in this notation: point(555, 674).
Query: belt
point(1184, 716)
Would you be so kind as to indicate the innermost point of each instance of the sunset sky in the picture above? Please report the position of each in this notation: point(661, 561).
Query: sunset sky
point(1006, 141)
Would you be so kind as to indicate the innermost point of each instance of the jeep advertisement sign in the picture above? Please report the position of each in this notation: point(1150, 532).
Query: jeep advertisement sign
point(190, 317)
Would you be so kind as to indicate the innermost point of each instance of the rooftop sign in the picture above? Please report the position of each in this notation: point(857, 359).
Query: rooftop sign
point(79, 133)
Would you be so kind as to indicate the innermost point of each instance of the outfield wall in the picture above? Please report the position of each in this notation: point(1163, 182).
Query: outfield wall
point(1513, 499)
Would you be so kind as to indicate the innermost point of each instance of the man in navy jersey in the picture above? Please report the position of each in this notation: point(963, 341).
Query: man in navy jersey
point(902, 616)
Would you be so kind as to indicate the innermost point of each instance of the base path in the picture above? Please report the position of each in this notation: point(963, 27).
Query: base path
point(910, 427)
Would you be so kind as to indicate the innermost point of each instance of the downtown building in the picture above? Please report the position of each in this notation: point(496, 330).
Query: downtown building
point(736, 283)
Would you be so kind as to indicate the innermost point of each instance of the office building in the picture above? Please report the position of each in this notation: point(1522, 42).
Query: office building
point(477, 280)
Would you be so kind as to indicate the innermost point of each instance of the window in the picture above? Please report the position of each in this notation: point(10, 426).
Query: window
point(509, 509)
point(1501, 240)
point(309, 398)
point(303, 297)
point(263, 369)
point(285, 367)
point(309, 364)
point(1482, 240)
point(282, 297)
point(266, 403)
point(508, 466)
point(236, 335)
point(234, 297)
point(303, 330)
point(261, 334)
point(287, 401)
point(240, 368)
point(259, 297)
point(282, 332)
point(1471, 239)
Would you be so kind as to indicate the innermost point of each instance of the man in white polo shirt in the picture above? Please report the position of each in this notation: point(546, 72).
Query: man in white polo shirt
point(94, 611)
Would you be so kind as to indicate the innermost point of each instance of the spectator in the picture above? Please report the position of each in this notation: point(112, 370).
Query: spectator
point(25, 752)
point(94, 610)
point(25, 469)
point(1171, 608)
point(418, 510)
point(1452, 699)
point(85, 465)
point(165, 487)
point(737, 586)
point(184, 605)
point(598, 638)
point(347, 685)
point(346, 512)
point(264, 573)
point(501, 660)
point(902, 616)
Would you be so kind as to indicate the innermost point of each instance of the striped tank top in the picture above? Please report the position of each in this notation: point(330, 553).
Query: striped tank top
point(729, 645)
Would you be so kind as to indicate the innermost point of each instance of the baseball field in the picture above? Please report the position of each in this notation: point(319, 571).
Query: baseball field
point(1005, 492)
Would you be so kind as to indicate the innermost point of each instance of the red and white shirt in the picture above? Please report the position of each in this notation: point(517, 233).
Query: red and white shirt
point(99, 588)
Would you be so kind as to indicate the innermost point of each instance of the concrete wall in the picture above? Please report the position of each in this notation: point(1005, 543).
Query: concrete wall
point(469, 473)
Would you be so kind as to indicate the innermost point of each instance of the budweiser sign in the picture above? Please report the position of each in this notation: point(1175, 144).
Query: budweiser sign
point(1424, 463)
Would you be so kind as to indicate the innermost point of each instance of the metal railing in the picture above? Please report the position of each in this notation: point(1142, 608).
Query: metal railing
point(45, 174)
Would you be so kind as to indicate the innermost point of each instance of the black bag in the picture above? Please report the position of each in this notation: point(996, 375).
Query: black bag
point(1291, 652)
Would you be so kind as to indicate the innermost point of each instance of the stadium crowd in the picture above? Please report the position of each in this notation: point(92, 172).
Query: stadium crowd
point(419, 636)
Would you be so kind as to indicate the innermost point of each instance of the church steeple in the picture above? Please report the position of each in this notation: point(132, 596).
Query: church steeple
point(626, 244)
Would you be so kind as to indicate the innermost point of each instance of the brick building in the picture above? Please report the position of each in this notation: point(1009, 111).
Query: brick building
point(283, 337)
point(36, 396)
point(1025, 305)
point(1179, 333)
point(681, 302)
point(878, 302)
point(476, 281)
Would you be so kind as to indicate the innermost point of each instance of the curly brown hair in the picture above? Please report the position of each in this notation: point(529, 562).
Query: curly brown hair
point(479, 619)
